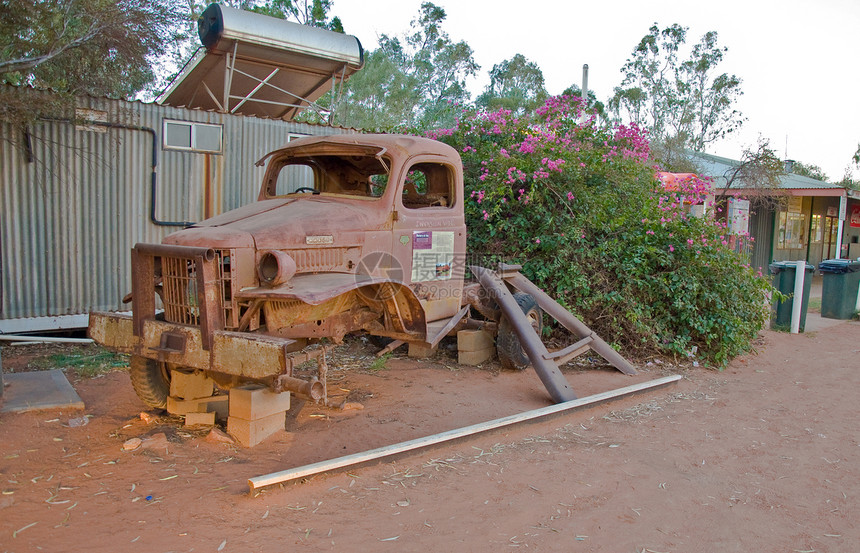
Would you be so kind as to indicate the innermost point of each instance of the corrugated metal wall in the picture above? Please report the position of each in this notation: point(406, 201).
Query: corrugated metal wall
point(70, 214)
point(761, 227)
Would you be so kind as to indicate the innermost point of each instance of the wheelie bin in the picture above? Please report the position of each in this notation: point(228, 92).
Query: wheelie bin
point(840, 283)
point(783, 280)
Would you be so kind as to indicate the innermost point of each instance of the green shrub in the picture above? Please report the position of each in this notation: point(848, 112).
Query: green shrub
point(579, 206)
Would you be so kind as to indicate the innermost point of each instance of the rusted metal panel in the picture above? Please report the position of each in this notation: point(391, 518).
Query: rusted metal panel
point(142, 289)
point(192, 354)
point(76, 198)
point(113, 330)
point(249, 356)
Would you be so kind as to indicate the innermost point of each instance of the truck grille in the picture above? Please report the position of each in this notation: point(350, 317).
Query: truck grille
point(179, 292)
point(324, 259)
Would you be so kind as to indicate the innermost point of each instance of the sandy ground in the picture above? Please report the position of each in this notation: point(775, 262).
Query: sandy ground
point(764, 456)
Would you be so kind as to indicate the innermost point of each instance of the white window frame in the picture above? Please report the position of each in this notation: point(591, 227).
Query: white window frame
point(194, 126)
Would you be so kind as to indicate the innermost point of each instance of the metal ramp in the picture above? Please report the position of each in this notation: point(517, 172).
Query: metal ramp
point(545, 363)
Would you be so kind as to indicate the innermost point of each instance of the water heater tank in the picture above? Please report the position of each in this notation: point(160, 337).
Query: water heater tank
point(220, 27)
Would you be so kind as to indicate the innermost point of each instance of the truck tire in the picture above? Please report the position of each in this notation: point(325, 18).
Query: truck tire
point(508, 346)
point(150, 380)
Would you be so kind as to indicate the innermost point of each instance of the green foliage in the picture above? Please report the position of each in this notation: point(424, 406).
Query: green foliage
point(379, 363)
point(579, 207)
point(516, 85)
point(759, 170)
point(848, 181)
point(313, 13)
point(591, 105)
point(86, 361)
point(97, 47)
point(416, 80)
point(673, 97)
point(809, 170)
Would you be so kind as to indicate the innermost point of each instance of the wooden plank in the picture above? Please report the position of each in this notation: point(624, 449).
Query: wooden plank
point(258, 482)
point(390, 347)
point(447, 328)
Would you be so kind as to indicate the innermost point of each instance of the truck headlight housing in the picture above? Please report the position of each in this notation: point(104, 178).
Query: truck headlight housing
point(275, 268)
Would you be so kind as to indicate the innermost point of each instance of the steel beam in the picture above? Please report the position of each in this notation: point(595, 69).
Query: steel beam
point(548, 372)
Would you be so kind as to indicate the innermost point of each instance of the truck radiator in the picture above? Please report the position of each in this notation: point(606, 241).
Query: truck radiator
point(179, 292)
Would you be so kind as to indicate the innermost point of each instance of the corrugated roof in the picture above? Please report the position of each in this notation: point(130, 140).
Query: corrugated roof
point(716, 167)
point(155, 103)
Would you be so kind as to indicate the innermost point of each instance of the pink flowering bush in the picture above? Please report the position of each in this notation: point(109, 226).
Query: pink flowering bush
point(578, 205)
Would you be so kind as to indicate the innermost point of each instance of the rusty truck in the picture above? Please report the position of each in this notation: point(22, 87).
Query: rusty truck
point(350, 233)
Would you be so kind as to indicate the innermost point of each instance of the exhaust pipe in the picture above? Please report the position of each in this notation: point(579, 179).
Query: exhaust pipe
point(311, 389)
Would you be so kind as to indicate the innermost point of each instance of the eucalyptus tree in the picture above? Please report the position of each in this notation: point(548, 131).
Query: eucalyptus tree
point(674, 95)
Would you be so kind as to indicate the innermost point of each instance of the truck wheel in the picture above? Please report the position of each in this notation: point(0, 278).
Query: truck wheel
point(150, 380)
point(510, 350)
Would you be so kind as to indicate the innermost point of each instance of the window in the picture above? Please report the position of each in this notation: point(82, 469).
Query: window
point(195, 137)
point(817, 228)
point(428, 185)
point(791, 233)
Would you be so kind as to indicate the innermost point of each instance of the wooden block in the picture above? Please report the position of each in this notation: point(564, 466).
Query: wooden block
point(255, 402)
point(190, 385)
point(251, 432)
point(216, 404)
point(475, 357)
point(219, 407)
point(474, 340)
point(420, 351)
point(194, 419)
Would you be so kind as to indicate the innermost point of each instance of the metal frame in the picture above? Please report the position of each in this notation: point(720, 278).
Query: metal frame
point(338, 79)
point(143, 256)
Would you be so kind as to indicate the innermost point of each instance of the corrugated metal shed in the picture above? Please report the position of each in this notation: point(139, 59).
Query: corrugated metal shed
point(75, 200)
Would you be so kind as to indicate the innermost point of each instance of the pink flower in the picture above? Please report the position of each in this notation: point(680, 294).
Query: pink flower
point(537, 240)
point(671, 248)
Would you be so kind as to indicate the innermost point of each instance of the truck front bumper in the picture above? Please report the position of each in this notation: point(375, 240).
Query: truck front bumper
point(239, 354)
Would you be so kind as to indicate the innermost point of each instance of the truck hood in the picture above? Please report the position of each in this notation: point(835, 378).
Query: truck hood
point(280, 223)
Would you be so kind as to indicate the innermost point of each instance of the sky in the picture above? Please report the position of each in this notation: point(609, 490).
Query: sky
point(799, 60)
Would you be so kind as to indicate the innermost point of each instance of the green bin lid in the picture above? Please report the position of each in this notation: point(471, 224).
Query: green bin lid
point(839, 266)
point(779, 266)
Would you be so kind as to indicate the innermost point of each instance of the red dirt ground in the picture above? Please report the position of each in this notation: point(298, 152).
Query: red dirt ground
point(764, 456)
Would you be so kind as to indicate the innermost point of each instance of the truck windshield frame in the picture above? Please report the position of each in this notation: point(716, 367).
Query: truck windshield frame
point(360, 176)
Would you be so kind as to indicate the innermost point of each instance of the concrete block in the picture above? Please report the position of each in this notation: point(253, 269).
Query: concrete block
point(420, 351)
point(474, 340)
point(475, 357)
point(190, 385)
point(194, 419)
point(255, 402)
point(251, 432)
point(214, 404)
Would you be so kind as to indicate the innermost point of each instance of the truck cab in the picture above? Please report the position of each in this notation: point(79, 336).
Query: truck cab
point(349, 233)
